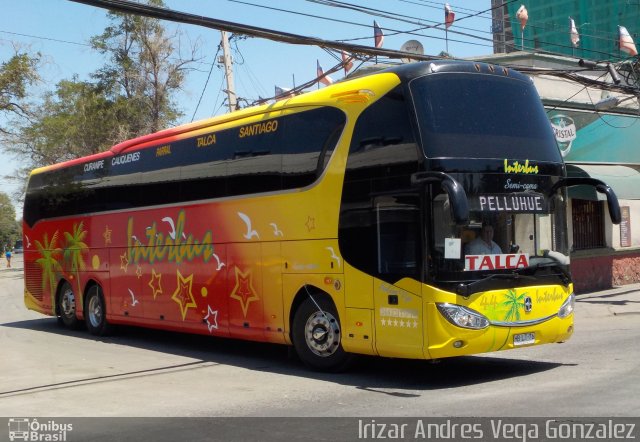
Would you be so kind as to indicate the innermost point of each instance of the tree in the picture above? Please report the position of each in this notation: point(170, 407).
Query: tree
point(9, 227)
point(16, 75)
point(130, 96)
point(142, 76)
point(75, 120)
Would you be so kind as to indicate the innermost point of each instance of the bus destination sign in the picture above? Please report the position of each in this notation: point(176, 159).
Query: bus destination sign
point(523, 202)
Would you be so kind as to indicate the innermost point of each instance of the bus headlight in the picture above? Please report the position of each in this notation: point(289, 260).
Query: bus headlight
point(567, 306)
point(462, 316)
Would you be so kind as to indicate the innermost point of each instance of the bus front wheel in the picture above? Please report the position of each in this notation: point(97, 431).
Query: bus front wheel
point(95, 314)
point(316, 336)
point(66, 307)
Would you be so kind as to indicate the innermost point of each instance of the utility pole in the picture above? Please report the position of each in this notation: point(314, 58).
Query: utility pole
point(228, 73)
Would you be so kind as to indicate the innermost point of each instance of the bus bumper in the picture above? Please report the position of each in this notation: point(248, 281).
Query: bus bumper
point(447, 340)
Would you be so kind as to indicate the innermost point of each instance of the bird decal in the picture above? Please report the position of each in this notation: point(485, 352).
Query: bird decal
point(334, 256)
point(250, 231)
point(169, 220)
point(220, 263)
point(276, 231)
point(134, 301)
point(172, 233)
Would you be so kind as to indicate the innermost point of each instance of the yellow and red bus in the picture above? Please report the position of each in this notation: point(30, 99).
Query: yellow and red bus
point(343, 221)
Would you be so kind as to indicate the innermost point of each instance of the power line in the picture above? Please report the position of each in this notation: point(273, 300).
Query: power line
point(180, 17)
point(606, 36)
point(440, 6)
point(422, 23)
point(398, 17)
point(46, 38)
point(270, 34)
point(39, 37)
point(385, 14)
point(407, 19)
point(215, 57)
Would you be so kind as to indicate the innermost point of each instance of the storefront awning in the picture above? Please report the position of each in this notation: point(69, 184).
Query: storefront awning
point(624, 180)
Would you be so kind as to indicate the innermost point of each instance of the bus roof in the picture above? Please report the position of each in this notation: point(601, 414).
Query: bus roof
point(405, 72)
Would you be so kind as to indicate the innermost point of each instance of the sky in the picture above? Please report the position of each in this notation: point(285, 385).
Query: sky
point(60, 31)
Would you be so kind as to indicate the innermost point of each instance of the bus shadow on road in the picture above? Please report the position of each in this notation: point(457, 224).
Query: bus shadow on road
point(367, 373)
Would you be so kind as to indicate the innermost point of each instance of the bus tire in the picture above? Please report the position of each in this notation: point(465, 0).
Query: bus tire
point(316, 336)
point(66, 307)
point(95, 314)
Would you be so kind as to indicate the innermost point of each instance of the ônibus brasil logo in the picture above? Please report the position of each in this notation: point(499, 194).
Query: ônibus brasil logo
point(565, 130)
point(28, 429)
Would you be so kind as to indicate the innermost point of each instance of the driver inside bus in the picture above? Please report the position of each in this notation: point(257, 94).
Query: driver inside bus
point(483, 244)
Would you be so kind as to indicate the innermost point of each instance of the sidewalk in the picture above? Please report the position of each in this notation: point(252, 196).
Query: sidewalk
point(620, 300)
point(17, 260)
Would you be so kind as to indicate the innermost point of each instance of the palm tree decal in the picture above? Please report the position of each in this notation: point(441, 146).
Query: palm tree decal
point(514, 303)
point(48, 261)
point(75, 248)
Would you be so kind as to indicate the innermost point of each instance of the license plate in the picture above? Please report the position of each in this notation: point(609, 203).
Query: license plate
point(524, 339)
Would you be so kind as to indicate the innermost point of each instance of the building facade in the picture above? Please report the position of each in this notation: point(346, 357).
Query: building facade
point(548, 28)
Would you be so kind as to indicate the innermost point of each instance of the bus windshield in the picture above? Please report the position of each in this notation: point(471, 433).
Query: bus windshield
point(481, 116)
point(509, 234)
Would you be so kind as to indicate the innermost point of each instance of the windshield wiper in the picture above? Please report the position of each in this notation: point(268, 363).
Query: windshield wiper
point(473, 287)
point(563, 274)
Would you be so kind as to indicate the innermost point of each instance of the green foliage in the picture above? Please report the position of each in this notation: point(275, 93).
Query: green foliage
point(9, 228)
point(141, 75)
point(73, 121)
point(16, 75)
point(131, 95)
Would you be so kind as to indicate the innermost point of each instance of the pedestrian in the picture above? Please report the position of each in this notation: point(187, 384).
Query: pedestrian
point(8, 256)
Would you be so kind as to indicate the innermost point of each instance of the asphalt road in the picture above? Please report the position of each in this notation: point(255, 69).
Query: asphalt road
point(50, 371)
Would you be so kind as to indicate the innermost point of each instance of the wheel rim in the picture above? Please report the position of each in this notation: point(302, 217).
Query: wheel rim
point(68, 304)
point(322, 334)
point(94, 311)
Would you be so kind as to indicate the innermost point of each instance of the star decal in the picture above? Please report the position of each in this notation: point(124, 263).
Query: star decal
point(211, 319)
point(124, 262)
point(243, 291)
point(311, 223)
point(393, 322)
point(183, 295)
point(107, 235)
point(138, 271)
point(155, 283)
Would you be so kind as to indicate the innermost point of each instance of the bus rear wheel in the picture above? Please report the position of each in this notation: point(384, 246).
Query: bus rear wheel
point(95, 314)
point(316, 336)
point(66, 307)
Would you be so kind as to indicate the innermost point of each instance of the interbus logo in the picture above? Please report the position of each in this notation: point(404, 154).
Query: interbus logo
point(517, 167)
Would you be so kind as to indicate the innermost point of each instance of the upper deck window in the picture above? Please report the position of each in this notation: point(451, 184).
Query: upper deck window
point(269, 155)
point(482, 116)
